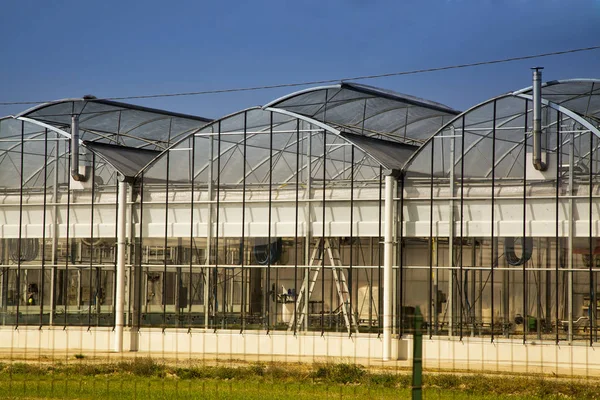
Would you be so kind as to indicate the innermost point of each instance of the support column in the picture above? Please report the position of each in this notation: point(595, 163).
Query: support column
point(390, 184)
point(451, 304)
point(308, 225)
point(209, 235)
point(54, 257)
point(121, 253)
point(570, 238)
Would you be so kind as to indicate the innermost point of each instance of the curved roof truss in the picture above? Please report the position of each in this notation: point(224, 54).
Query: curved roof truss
point(123, 135)
point(509, 117)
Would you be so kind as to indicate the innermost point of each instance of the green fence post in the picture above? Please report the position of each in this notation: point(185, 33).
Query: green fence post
point(417, 377)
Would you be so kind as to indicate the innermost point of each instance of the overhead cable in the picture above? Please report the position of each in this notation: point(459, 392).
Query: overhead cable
point(328, 81)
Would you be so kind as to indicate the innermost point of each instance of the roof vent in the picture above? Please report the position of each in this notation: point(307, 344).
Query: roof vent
point(538, 162)
point(89, 97)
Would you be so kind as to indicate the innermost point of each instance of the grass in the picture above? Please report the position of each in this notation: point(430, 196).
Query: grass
point(147, 379)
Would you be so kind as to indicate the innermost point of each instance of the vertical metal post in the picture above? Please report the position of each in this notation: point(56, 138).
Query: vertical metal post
point(592, 307)
point(557, 221)
point(525, 300)
point(324, 217)
point(548, 289)
point(463, 290)
point(269, 229)
point(54, 231)
point(308, 224)
point(417, 376)
point(65, 292)
point(192, 245)
point(215, 280)
point(120, 278)
point(473, 311)
point(492, 243)
point(571, 229)
point(209, 231)
point(116, 254)
point(430, 277)
point(451, 272)
point(400, 253)
point(165, 244)
point(296, 225)
point(387, 266)
point(322, 245)
point(43, 272)
point(130, 235)
point(350, 281)
point(91, 239)
point(243, 244)
point(22, 157)
point(138, 261)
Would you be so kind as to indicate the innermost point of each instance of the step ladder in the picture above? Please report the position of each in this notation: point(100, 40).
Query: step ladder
point(310, 279)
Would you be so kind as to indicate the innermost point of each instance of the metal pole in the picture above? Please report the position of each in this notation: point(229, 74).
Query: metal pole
point(243, 244)
point(557, 209)
point(417, 377)
point(400, 255)
point(379, 259)
point(430, 245)
point(463, 291)
point(350, 280)
point(20, 223)
point(65, 280)
point(209, 231)
point(91, 241)
point(308, 225)
point(492, 244)
point(322, 244)
point(387, 266)
point(269, 233)
point(592, 307)
point(451, 303)
point(571, 227)
point(54, 233)
point(525, 299)
point(215, 281)
point(43, 273)
point(296, 225)
point(165, 244)
point(121, 250)
point(192, 246)
point(538, 163)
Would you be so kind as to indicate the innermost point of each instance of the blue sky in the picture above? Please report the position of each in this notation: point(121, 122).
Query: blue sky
point(60, 49)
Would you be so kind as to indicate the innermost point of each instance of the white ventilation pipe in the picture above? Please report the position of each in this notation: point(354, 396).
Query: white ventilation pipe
point(121, 250)
point(75, 149)
point(538, 163)
point(388, 259)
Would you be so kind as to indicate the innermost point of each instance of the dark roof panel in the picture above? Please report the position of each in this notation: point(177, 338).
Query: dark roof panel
point(129, 161)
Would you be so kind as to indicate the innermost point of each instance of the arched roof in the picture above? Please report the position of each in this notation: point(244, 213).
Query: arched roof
point(126, 136)
point(266, 143)
point(579, 95)
point(573, 103)
point(384, 126)
point(369, 111)
point(112, 122)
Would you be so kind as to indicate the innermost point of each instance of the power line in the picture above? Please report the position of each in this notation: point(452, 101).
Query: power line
point(325, 81)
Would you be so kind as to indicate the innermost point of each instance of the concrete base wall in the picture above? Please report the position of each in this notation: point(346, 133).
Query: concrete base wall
point(251, 345)
point(480, 354)
point(470, 354)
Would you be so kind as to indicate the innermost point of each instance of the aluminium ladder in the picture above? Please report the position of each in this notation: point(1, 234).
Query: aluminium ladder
point(312, 274)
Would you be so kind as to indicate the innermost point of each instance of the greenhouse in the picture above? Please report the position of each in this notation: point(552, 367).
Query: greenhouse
point(334, 212)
